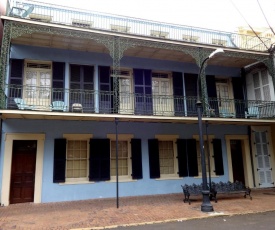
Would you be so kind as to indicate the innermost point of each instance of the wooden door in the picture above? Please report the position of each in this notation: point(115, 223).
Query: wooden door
point(23, 171)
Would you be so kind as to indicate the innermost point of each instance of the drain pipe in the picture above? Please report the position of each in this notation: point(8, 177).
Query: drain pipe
point(251, 155)
point(117, 195)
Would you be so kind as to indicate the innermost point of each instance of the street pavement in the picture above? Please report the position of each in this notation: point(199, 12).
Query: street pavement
point(133, 211)
point(258, 221)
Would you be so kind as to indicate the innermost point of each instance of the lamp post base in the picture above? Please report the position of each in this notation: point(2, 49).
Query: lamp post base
point(206, 205)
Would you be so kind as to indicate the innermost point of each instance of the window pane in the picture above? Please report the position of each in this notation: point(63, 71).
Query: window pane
point(122, 158)
point(77, 159)
point(166, 157)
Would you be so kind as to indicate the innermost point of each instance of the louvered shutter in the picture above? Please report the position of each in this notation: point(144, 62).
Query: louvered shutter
point(191, 93)
point(143, 91)
point(99, 169)
point(178, 94)
point(81, 85)
point(212, 93)
point(58, 81)
point(182, 157)
point(105, 87)
point(16, 79)
point(239, 97)
point(136, 158)
point(59, 163)
point(192, 157)
point(218, 159)
point(153, 147)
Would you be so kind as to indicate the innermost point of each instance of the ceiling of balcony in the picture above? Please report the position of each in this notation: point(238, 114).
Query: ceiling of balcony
point(87, 45)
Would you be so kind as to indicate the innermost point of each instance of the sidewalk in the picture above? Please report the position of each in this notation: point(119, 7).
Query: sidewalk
point(100, 213)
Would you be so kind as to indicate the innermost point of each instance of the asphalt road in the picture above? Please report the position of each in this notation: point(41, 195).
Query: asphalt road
point(257, 221)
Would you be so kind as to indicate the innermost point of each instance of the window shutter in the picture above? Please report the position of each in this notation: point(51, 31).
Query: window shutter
point(239, 95)
point(58, 81)
point(59, 164)
point(99, 169)
point(106, 90)
point(143, 91)
point(191, 93)
point(192, 157)
point(182, 158)
point(178, 94)
point(212, 93)
point(16, 78)
point(153, 147)
point(250, 87)
point(136, 158)
point(217, 146)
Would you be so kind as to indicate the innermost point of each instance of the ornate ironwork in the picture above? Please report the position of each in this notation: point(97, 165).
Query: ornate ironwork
point(5, 49)
point(216, 188)
point(117, 46)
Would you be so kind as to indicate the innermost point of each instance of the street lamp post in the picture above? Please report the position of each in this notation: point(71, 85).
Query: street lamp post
point(206, 206)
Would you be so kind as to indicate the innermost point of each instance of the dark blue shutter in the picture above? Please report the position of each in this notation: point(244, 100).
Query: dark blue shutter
point(99, 169)
point(182, 157)
point(212, 93)
point(217, 146)
point(105, 88)
point(136, 158)
point(192, 157)
point(15, 81)
point(143, 92)
point(59, 164)
point(178, 94)
point(153, 147)
point(81, 86)
point(238, 91)
point(58, 93)
point(190, 81)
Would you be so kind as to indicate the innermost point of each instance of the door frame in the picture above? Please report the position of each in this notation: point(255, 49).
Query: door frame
point(246, 158)
point(7, 162)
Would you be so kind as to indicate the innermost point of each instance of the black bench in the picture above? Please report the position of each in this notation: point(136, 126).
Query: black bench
point(216, 188)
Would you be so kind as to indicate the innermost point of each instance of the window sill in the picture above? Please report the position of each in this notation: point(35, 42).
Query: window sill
point(77, 182)
point(212, 176)
point(170, 178)
point(121, 180)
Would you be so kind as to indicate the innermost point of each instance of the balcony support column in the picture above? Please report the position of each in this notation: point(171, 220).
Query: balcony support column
point(117, 46)
point(270, 64)
point(5, 53)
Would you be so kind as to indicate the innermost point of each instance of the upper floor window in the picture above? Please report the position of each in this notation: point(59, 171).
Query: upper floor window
point(162, 89)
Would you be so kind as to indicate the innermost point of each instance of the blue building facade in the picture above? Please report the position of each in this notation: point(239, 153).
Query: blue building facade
point(89, 112)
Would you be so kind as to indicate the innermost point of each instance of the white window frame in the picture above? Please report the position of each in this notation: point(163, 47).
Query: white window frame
point(172, 138)
point(122, 137)
point(211, 153)
point(156, 108)
point(125, 73)
point(78, 137)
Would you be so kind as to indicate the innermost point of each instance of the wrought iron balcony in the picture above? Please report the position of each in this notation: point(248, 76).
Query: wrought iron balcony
point(33, 98)
point(49, 13)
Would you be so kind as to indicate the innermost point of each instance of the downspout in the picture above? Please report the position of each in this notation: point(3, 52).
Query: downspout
point(251, 155)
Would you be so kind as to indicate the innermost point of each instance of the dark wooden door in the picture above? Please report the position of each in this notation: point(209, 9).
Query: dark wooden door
point(23, 171)
point(237, 160)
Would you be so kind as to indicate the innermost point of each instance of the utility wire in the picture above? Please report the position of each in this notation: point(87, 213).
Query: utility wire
point(249, 25)
point(271, 49)
point(265, 17)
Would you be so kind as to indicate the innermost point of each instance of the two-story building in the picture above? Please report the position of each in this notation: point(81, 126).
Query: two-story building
point(93, 104)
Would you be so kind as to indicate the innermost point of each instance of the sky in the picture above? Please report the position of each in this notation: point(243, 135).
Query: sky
point(224, 15)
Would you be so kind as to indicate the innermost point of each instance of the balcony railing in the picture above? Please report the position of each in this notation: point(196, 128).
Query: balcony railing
point(62, 15)
point(89, 101)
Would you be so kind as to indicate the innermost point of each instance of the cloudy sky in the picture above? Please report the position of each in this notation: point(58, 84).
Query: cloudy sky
point(224, 15)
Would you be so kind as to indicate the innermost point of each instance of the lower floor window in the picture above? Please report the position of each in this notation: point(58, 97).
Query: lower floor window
point(77, 159)
point(123, 156)
point(166, 157)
